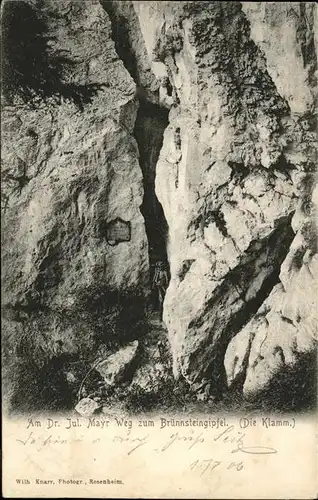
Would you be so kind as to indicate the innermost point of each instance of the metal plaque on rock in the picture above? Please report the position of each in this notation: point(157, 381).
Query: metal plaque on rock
point(118, 231)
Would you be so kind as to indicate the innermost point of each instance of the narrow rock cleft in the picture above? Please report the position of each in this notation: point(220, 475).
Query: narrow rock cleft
point(151, 120)
point(150, 125)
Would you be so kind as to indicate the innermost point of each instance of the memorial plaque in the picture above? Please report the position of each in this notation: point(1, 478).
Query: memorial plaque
point(118, 231)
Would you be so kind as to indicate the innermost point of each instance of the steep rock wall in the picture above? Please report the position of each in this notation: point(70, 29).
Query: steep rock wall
point(67, 172)
point(235, 177)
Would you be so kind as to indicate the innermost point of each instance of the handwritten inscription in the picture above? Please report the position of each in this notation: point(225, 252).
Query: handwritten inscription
point(235, 441)
point(229, 436)
point(207, 466)
point(209, 453)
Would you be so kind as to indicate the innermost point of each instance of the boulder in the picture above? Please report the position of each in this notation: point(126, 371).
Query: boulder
point(86, 407)
point(115, 367)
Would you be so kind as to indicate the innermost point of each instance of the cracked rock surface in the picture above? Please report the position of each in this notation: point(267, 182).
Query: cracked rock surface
point(235, 179)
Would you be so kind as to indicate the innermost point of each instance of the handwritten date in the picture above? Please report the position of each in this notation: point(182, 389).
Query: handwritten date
point(207, 466)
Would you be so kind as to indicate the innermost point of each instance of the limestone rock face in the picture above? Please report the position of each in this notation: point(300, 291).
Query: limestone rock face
point(235, 177)
point(82, 172)
point(70, 167)
point(284, 330)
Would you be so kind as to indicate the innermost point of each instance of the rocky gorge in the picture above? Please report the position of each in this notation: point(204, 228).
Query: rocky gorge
point(183, 132)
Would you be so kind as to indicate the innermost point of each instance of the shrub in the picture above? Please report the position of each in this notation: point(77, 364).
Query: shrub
point(32, 69)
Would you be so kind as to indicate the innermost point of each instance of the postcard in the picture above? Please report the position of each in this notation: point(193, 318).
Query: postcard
point(159, 249)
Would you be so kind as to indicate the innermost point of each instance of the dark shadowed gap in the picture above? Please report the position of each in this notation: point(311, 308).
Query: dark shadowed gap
point(149, 129)
point(121, 37)
point(150, 125)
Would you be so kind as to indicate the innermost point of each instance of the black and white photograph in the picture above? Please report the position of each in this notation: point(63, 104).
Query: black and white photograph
point(159, 226)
